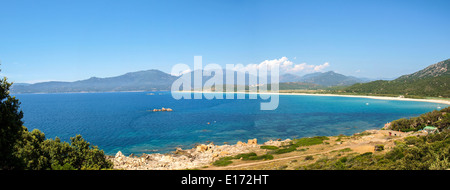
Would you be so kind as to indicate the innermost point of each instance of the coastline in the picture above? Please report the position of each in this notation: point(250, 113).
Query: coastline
point(204, 156)
point(447, 102)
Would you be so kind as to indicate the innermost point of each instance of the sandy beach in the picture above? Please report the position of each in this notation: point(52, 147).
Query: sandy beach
point(440, 101)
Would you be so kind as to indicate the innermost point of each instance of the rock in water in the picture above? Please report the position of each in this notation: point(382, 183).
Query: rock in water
point(252, 141)
point(119, 154)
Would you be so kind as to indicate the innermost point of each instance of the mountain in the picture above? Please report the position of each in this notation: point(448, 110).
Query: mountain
point(134, 81)
point(433, 81)
point(435, 70)
point(150, 80)
point(329, 78)
point(222, 77)
point(299, 86)
point(290, 78)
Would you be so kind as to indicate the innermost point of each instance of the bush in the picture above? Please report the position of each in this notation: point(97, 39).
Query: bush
point(285, 150)
point(222, 162)
point(262, 157)
point(379, 147)
point(37, 153)
point(431, 155)
point(308, 141)
point(10, 127)
point(225, 161)
point(245, 156)
point(439, 119)
point(20, 149)
point(268, 147)
point(412, 140)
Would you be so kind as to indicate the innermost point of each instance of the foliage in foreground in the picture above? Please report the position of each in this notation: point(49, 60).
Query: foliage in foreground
point(21, 149)
point(308, 141)
point(224, 161)
point(38, 153)
point(439, 119)
point(10, 125)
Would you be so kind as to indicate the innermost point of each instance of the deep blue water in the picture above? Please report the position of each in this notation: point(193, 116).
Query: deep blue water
point(120, 121)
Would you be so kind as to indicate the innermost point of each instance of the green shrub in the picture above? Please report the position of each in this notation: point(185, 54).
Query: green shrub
point(286, 150)
point(21, 149)
point(412, 140)
point(346, 150)
point(222, 162)
point(264, 157)
point(225, 161)
point(268, 147)
point(38, 153)
point(244, 156)
point(431, 155)
point(379, 147)
point(308, 141)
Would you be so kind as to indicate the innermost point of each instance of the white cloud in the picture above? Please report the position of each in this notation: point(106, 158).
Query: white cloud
point(182, 72)
point(285, 65)
point(321, 67)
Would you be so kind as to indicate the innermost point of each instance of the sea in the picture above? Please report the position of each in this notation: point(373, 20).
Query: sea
point(124, 121)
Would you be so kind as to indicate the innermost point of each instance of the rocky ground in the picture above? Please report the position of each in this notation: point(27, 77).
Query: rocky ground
point(203, 155)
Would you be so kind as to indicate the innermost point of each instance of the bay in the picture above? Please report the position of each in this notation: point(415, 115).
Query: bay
point(121, 121)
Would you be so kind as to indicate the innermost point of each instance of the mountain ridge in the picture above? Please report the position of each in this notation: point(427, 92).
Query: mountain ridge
point(434, 81)
point(329, 78)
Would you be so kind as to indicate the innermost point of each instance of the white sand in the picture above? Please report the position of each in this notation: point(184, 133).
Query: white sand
point(354, 96)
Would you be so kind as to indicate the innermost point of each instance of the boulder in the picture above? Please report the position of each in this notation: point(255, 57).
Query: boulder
point(252, 141)
point(224, 153)
point(202, 148)
point(119, 154)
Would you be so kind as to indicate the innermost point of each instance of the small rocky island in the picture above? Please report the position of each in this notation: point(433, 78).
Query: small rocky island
point(162, 109)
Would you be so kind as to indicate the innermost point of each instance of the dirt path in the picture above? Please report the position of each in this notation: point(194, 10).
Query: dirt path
point(360, 144)
point(278, 159)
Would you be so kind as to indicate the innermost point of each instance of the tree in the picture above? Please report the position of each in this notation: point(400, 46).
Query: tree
point(10, 126)
point(21, 149)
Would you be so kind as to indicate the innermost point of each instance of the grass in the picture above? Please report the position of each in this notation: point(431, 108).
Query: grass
point(222, 162)
point(269, 147)
point(300, 142)
point(225, 161)
point(310, 141)
point(346, 150)
point(253, 156)
point(245, 156)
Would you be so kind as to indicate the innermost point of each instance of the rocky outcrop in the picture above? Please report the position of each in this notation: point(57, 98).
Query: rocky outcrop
point(387, 126)
point(200, 156)
point(162, 109)
point(278, 142)
point(252, 141)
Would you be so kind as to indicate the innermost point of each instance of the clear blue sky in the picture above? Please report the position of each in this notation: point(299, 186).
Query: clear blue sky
point(71, 40)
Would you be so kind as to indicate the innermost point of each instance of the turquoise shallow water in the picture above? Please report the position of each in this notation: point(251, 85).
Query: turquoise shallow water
point(120, 120)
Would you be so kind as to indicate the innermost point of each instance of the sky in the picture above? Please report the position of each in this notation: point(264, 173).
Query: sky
point(66, 40)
